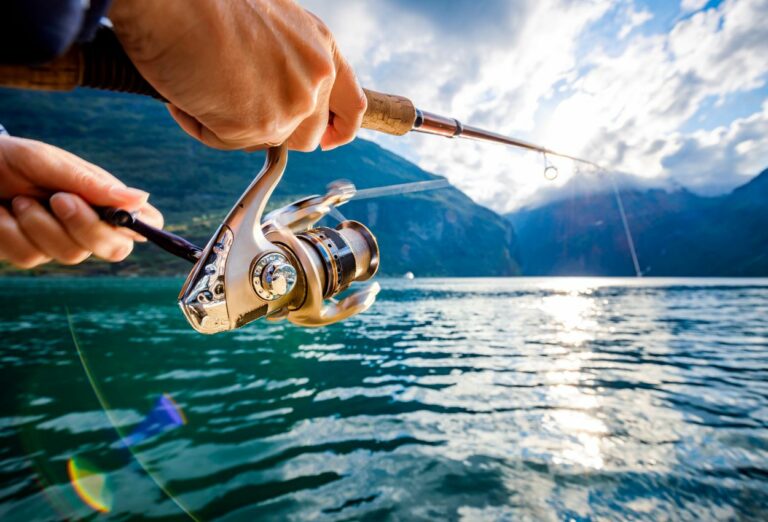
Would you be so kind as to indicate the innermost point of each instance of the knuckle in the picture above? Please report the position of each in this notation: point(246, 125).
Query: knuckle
point(72, 256)
point(301, 107)
point(321, 70)
point(19, 155)
point(323, 29)
point(84, 179)
point(119, 253)
point(233, 129)
point(302, 112)
point(359, 103)
point(26, 260)
point(304, 145)
point(31, 150)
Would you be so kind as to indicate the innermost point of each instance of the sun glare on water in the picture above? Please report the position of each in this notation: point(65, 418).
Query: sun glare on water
point(573, 315)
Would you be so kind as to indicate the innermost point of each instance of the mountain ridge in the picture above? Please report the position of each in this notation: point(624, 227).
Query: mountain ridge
point(676, 233)
point(430, 233)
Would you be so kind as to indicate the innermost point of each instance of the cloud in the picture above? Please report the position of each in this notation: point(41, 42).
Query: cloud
point(692, 5)
point(725, 157)
point(587, 77)
point(635, 19)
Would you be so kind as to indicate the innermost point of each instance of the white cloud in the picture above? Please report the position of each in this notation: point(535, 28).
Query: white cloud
point(692, 5)
point(635, 19)
point(710, 161)
point(538, 70)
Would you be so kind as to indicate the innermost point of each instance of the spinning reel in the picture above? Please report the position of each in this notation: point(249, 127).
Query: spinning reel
point(278, 267)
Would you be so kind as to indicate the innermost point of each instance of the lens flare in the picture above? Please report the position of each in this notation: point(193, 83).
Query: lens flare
point(90, 484)
point(165, 416)
point(175, 413)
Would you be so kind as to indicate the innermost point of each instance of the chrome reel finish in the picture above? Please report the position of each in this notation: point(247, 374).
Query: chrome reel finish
point(282, 268)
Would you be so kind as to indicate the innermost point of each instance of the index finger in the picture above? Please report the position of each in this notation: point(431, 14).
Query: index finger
point(56, 170)
point(347, 105)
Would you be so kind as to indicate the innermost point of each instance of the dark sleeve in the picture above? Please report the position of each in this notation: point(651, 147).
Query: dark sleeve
point(37, 31)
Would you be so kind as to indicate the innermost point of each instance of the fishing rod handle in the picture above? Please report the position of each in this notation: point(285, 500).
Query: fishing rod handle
point(103, 64)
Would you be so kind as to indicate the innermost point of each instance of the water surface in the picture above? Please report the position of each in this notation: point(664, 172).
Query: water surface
point(452, 399)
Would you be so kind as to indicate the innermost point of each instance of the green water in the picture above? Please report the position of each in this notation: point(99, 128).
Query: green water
point(471, 399)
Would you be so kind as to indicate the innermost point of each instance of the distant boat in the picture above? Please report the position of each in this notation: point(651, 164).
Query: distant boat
point(408, 275)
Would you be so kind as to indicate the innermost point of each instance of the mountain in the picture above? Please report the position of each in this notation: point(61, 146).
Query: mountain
point(435, 233)
point(676, 233)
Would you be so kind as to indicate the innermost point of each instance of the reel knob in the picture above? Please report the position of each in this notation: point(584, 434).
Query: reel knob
point(274, 276)
point(279, 278)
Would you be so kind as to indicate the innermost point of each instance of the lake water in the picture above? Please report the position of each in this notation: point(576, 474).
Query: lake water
point(452, 399)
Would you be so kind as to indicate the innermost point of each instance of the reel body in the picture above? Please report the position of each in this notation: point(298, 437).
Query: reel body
point(280, 267)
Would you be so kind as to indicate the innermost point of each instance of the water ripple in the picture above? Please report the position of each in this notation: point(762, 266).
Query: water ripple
point(532, 399)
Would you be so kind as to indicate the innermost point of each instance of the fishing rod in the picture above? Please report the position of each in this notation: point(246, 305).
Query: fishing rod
point(103, 64)
point(277, 266)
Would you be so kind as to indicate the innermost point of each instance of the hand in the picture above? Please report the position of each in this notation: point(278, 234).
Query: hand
point(30, 234)
point(244, 74)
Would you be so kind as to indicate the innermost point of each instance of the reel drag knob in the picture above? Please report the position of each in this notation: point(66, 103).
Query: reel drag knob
point(273, 276)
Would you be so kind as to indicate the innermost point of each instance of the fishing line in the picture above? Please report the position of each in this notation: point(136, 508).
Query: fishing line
point(627, 230)
point(401, 188)
point(551, 172)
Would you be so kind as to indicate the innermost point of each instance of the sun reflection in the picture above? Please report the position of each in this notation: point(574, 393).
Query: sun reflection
point(572, 316)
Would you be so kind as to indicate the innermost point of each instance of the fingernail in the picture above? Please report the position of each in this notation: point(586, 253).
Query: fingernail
point(63, 205)
point(20, 204)
point(128, 193)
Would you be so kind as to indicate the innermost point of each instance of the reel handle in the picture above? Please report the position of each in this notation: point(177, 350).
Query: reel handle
point(103, 64)
point(168, 241)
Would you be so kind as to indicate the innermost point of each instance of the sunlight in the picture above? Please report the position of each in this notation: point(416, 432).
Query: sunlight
point(573, 314)
point(573, 321)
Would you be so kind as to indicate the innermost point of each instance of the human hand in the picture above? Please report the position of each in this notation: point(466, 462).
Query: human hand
point(71, 230)
point(244, 74)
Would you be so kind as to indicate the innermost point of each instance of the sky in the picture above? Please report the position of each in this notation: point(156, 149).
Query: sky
point(674, 92)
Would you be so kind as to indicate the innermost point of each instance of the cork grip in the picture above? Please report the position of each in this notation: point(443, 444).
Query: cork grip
point(63, 74)
point(389, 113)
point(99, 64)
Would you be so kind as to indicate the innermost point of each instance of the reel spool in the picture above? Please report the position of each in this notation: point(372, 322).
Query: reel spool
point(283, 267)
